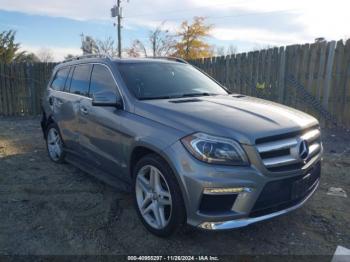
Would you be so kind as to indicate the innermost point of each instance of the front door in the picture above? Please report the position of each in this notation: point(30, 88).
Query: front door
point(100, 138)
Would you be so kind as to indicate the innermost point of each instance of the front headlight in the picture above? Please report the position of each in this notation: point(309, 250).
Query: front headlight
point(215, 150)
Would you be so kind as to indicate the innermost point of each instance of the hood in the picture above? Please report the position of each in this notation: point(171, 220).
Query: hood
point(239, 117)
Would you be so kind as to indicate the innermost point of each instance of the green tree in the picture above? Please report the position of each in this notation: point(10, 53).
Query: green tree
point(191, 44)
point(9, 49)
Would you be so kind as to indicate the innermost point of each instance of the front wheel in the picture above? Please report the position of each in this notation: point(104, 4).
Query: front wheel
point(54, 144)
point(157, 196)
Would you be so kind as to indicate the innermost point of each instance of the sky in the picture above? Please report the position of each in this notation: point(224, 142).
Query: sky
point(245, 24)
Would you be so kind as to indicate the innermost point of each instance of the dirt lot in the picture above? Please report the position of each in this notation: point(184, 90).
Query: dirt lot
point(56, 209)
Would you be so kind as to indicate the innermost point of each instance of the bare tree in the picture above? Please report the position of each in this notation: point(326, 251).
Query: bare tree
point(88, 45)
point(132, 52)
point(223, 51)
point(231, 50)
point(320, 39)
point(45, 55)
point(161, 41)
point(27, 58)
point(137, 49)
point(69, 56)
point(106, 46)
point(258, 47)
point(219, 51)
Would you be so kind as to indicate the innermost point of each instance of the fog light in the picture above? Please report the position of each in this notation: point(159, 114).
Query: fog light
point(229, 190)
point(206, 225)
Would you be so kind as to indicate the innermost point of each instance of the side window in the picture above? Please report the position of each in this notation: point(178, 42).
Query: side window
point(69, 79)
point(60, 79)
point(101, 80)
point(80, 80)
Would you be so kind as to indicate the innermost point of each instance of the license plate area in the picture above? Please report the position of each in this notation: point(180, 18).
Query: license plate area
point(303, 186)
point(300, 187)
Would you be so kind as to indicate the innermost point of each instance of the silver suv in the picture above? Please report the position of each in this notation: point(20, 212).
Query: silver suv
point(189, 150)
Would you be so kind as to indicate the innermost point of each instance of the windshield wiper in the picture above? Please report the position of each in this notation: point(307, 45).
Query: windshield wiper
point(177, 96)
point(155, 97)
point(197, 94)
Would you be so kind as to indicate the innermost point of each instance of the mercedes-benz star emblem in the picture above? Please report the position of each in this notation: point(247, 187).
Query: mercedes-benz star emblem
point(303, 149)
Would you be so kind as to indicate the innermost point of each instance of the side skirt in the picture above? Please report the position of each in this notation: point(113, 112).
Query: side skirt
point(99, 174)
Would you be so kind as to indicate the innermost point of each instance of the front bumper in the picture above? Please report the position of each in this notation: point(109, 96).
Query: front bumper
point(247, 221)
point(247, 207)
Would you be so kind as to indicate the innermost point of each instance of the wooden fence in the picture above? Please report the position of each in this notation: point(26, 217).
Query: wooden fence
point(314, 78)
point(21, 88)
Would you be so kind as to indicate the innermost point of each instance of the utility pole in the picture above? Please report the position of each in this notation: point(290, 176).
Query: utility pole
point(116, 11)
point(119, 29)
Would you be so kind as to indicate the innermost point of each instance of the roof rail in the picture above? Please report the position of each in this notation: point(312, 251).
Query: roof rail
point(87, 56)
point(172, 58)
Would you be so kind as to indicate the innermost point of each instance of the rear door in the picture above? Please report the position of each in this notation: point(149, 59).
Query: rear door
point(78, 101)
point(100, 125)
point(61, 104)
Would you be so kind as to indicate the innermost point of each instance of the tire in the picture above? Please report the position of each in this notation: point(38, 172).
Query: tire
point(55, 148)
point(167, 191)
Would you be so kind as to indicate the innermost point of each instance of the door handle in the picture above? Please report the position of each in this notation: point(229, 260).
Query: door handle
point(84, 110)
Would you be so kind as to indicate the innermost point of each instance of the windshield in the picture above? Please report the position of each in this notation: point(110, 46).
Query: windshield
point(167, 80)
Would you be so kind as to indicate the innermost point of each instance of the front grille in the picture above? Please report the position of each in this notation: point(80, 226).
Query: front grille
point(285, 193)
point(284, 152)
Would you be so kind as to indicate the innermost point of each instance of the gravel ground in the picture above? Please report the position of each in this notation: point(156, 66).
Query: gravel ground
point(52, 209)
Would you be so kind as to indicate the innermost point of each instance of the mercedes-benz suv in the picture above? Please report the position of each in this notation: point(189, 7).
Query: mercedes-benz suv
point(189, 150)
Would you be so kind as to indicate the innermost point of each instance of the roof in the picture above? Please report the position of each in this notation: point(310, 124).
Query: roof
point(144, 60)
point(123, 60)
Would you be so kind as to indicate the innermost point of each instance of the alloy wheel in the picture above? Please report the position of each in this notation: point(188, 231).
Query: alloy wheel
point(54, 144)
point(153, 197)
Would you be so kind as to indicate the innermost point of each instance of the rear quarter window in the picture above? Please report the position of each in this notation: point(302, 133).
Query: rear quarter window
point(60, 79)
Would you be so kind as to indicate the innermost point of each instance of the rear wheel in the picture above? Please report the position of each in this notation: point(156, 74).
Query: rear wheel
point(157, 196)
point(54, 144)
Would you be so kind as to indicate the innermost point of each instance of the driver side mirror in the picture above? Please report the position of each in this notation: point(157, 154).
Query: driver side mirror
point(107, 98)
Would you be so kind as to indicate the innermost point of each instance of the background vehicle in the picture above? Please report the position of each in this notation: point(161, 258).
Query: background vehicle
point(190, 151)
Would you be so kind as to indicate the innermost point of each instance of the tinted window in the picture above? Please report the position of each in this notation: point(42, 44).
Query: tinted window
point(80, 80)
point(161, 80)
point(69, 79)
point(60, 79)
point(101, 80)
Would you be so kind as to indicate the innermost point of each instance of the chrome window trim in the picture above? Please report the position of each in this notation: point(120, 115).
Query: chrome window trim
point(82, 96)
point(67, 93)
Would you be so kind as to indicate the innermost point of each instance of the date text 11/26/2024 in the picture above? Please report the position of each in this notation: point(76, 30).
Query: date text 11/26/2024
point(173, 258)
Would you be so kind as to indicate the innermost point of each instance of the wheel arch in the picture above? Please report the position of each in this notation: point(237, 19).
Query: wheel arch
point(140, 151)
point(45, 122)
point(144, 149)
